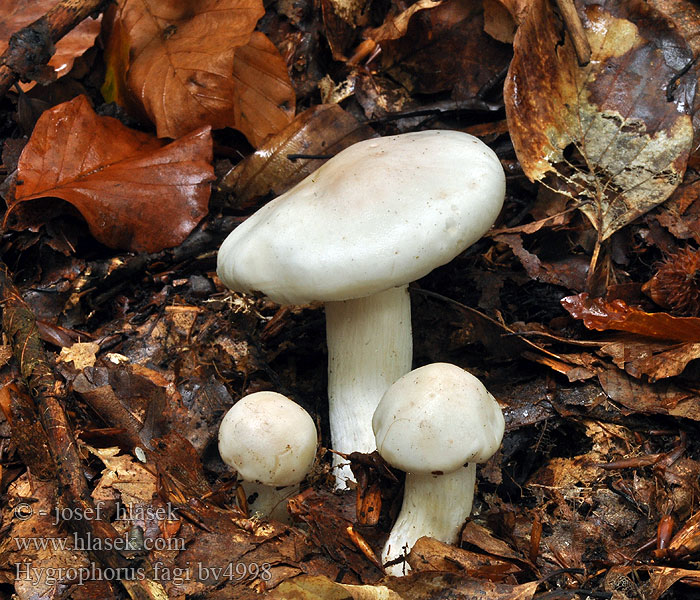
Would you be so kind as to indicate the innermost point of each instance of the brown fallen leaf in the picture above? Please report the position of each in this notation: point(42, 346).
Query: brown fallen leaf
point(264, 96)
point(615, 134)
point(134, 192)
point(663, 398)
point(604, 315)
point(322, 130)
point(396, 26)
point(656, 360)
point(307, 587)
point(195, 63)
point(428, 554)
point(15, 14)
point(442, 48)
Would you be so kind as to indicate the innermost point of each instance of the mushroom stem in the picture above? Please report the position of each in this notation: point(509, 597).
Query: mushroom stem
point(434, 506)
point(269, 501)
point(369, 347)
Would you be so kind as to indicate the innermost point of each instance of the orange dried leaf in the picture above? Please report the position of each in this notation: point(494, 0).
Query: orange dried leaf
point(615, 134)
point(604, 315)
point(264, 96)
point(181, 59)
point(134, 192)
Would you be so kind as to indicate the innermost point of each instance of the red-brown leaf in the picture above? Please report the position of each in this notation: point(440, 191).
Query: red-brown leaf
point(603, 315)
point(134, 192)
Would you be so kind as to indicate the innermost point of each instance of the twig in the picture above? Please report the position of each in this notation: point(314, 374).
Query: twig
point(31, 48)
point(49, 396)
point(573, 25)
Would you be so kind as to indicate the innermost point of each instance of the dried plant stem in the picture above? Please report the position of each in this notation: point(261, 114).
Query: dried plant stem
point(32, 46)
point(49, 397)
point(573, 25)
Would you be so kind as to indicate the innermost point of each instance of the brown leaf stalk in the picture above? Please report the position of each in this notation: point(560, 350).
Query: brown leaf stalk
point(49, 397)
point(31, 47)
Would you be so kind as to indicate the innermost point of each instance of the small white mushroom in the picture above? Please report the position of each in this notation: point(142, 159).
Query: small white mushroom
point(435, 423)
point(378, 215)
point(271, 442)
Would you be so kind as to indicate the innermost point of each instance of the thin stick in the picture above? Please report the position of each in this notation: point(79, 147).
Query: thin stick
point(31, 47)
point(573, 25)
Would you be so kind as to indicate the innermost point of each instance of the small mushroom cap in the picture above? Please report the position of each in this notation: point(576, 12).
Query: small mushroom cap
point(437, 418)
point(269, 439)
point(380, 214)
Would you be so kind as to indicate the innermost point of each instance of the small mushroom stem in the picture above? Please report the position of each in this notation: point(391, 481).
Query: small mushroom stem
point(269, 501)
point(433, 505)
point(370, 346)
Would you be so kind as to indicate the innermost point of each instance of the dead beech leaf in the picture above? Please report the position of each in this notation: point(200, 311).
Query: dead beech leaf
point(16, 14)
point(264, 96)
point(431, 584)
point(614, 134)
point(320, 130)
point(181, 59)
point(428, 554)
point(444, 48)
point(307, 587)
point(134, 192)
point(395, 27)
point(655, 360)
point(604, 315)
point(663, 398)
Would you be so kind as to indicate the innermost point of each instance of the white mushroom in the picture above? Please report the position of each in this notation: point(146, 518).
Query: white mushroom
point(378, 215)
point(435, 423)
point(271, 442)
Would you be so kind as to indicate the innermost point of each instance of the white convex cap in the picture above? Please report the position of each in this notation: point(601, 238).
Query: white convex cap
point(269, 439)
point(381, 213)
point(437, 419)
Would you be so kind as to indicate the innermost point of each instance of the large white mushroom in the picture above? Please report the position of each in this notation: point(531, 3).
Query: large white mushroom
point(378, 215)
point(435, 423)
point(271, 442)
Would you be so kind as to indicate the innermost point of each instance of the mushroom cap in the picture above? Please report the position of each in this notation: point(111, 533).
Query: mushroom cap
point(380, 214)
point(437, 418)
point(269, 439)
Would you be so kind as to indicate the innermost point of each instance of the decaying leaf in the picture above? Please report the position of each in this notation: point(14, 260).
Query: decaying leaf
point(15, 14)
point(321, 130)
point(306, 587)
point(662, 398)
point(442, 47)
point(133, 191)
point(81, 354)
point(395, 27)
point(428, 554)
point(615, 134)
point(603, 315)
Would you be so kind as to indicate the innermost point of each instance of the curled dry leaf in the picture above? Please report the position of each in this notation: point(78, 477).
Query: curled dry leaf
point(16, 14)
point(134, 192)
point(396, 27)
point(604, 315)
point(321, 130)
point(195, 63)
point(615, 134)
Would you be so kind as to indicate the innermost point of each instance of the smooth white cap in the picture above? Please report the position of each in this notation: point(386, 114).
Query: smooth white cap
point(437, 418)
point(380, 214)
point(269, 439)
